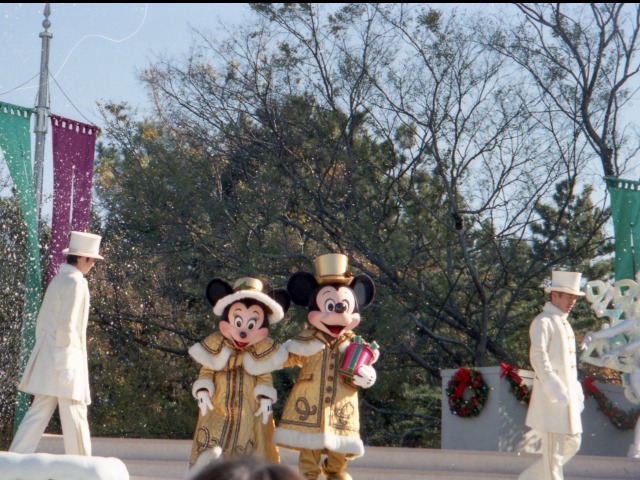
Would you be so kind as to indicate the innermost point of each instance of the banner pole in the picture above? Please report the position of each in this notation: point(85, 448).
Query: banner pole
point(42, 112)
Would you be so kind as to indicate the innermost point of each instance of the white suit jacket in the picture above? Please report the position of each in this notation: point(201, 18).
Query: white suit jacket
point(61, 341)
point(554, 361)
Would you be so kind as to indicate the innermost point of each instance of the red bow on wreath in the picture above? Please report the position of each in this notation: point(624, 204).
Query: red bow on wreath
point(589, 386)
point(462, 377)
point(511, 370)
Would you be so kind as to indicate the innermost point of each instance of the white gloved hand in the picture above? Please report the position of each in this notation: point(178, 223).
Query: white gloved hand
point(366, 376)
point(265, 409)
point(204, 401)
point(562, 399)
point(65, 376)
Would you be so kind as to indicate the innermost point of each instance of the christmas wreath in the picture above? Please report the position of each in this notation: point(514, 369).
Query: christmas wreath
point(464, 379)
point(521, 391)
point(620, 419)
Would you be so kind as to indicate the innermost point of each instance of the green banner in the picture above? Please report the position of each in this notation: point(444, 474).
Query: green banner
point(625, 210)
point(15, 142)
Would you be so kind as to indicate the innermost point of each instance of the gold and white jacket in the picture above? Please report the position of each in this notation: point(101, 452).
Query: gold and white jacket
point(235, 379)
point(321, 412)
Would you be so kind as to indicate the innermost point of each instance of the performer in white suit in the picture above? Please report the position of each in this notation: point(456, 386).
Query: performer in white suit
point(57, 373)
point(556, 399)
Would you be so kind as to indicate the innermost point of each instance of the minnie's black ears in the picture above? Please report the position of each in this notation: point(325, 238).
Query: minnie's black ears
point(216, 289)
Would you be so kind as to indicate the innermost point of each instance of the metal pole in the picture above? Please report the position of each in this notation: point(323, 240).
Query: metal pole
point(42, 112)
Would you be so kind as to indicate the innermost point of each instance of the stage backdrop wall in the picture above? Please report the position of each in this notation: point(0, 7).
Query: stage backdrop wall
point(500, 425)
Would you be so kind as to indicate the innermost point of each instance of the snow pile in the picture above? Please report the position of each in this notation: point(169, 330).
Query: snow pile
point(46, 466)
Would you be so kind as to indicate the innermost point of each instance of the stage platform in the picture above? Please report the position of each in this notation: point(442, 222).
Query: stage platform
point(152, 459)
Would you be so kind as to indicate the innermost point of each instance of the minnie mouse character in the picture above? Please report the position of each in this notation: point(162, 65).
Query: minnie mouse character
point(321, 412)
point(234, 388)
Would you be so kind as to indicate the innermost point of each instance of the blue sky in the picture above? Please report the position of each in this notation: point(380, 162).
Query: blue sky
point(95, 53)
point(96, 50)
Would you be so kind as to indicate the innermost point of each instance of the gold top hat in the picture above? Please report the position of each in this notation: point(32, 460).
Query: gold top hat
point(332, 268)
point(248, 283)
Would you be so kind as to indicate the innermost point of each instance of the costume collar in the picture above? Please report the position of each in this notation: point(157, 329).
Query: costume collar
point(265, 356)
point(215, 351)
point(329, 340)
point(553, 310)
point(311, 341)
point(69, 269)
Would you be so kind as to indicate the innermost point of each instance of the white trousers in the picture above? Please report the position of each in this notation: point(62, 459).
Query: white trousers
point(73, 417)
point(557, 450)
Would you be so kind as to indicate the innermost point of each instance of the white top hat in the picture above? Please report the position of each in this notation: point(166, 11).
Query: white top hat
point(84, 244)
point(567, 282)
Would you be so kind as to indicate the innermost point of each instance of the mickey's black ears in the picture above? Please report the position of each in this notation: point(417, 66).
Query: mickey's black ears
point(364, 290)
point(300, 286)
point(282, 297)
point(216, 289)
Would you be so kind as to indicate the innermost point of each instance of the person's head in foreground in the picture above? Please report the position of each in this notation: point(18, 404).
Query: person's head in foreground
point(246, 468)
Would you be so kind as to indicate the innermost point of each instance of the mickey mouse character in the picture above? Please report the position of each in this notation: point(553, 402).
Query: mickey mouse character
point(321, 412)
point(234, 388)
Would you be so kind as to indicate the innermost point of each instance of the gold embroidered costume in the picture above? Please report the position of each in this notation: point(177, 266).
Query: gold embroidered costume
point(321, 412)
point(235, 379)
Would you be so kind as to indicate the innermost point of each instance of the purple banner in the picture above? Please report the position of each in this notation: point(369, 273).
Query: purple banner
point(73, 154)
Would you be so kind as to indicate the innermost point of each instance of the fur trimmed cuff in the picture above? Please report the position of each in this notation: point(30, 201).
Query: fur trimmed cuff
point(203, 383)
point(304, 349)
point(265, 391)
point(352, 447)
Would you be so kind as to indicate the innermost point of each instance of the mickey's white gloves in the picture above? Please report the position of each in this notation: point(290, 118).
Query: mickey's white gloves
point(65, 376)
point(204, 401)
point(265, 409)
point(366, 376)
